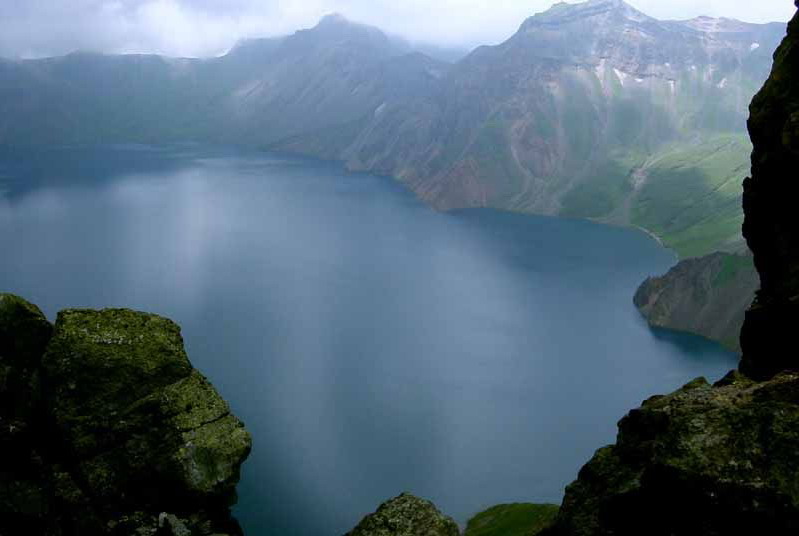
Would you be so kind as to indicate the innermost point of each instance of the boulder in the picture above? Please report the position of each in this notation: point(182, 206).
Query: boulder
point(706, 460)
point(24, 334)
point(140, 426)
point(406, 515)
point(106, 429)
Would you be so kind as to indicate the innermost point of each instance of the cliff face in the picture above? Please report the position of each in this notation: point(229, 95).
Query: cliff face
point(107, 428)
point(706, 295)
point(771, 227)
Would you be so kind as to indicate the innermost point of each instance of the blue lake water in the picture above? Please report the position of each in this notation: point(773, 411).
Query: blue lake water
point(371, 345)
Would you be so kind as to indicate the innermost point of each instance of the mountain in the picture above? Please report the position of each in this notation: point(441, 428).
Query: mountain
point(261, 92)
point(590, 110)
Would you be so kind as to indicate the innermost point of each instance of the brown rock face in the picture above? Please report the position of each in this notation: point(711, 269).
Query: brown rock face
point(706, 295)
point(771, 227)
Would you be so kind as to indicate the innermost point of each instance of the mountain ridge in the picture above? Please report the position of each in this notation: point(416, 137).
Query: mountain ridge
point(562, 120)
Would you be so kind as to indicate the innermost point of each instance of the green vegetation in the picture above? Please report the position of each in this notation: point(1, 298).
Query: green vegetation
point(512, 520)
point(607, 189)
point(731, 267)
point(692, 195)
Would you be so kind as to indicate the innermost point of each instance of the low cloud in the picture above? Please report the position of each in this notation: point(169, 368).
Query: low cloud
point(36, 28)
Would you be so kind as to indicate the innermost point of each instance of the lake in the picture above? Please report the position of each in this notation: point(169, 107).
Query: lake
point(370, 344)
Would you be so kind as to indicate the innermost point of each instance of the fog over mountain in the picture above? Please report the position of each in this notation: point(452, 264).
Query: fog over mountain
point(590, 110)
point(201, 28)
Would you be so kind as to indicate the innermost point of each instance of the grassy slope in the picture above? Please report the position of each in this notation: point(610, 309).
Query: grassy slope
point(605, 192)
point(692, 196)
point(688, 195)
point(512, 520)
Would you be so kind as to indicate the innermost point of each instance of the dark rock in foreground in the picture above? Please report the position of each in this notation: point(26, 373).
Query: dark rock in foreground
point(771, 227)
point(406, 515)
point(708, 296)
point(24, 334)
point(704, 460)
point(119, 434)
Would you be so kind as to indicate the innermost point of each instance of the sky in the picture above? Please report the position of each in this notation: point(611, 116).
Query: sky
point(200, 28)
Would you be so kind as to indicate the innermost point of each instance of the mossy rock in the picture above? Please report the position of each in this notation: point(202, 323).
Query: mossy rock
point(705, 460)
point(406, 515)
point(99, 363)
point(142, 426)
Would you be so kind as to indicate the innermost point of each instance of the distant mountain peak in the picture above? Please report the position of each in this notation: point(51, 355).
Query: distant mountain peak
point(569, 12)
point(717, 25)
point(338, 24)
point(334, 18)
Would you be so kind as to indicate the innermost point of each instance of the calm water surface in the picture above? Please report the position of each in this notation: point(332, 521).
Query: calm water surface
point(371, 345)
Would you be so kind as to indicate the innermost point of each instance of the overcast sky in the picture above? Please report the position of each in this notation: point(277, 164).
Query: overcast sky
point(35, 28)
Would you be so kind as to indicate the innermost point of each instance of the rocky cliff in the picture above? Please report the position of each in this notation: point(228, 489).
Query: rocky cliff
point(106, 428)
point(708, 296)
point(771, 227)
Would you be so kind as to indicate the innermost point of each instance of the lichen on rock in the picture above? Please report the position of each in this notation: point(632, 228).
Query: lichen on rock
point(129, 437)
point(709, 460)
point(406, 515)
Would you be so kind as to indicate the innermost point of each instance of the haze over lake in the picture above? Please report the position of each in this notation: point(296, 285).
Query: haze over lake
point(370, 344)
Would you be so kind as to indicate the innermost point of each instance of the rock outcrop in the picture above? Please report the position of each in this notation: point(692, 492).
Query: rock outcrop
point(708, 296)
point(406, 515)
point(107, 428)
point(771, 227)
point(706, 460)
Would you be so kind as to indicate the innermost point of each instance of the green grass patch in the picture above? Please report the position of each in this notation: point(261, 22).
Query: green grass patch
point(604, 191)
point(692, 197)
point(512, 520)
point(731, 267)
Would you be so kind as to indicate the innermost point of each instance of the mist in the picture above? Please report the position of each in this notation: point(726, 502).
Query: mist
point(202, 28)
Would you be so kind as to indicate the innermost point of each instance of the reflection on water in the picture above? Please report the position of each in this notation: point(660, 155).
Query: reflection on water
point(370, 344)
